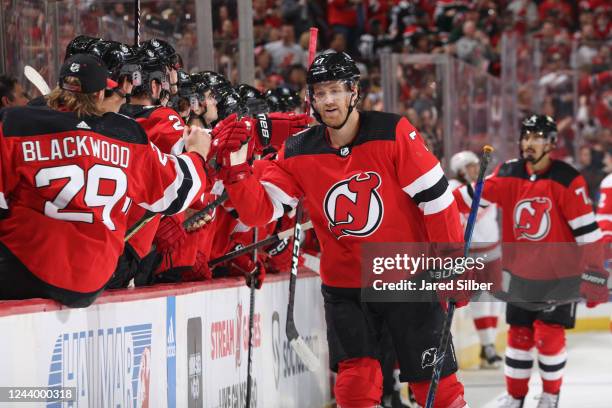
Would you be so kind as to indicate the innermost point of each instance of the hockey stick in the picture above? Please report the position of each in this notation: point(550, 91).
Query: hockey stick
point(144, 220)
point(446, 328)
point(251, 319)
point(37, 80)
point(299, 345)
point(312, 49)
point(136, 23)
point(189, 222)
point(264, 242)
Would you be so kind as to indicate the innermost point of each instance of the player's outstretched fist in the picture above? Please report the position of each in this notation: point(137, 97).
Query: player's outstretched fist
point(197, 140)
point(227, 137)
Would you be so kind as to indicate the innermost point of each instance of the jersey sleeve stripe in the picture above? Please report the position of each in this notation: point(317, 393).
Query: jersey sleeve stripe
point(603, 217)
point(278, 198)
point(582, 221)
point(425, 181)
point(192, 187)
point(585, 229)
point(433, 192)
point(178, 147)
point(589, 237)
point(3, 204)
point(439, 204)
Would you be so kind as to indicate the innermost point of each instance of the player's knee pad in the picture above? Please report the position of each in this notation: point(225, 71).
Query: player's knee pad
point(359, 383)
point(449, 394)
point(549, 338)
point(521, 337)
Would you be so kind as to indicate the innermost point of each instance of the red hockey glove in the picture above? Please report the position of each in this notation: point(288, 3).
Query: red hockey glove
point(245, 266)
point(594, 288)
point(200, 270)
point(273, 129)
point(228, 137)
point(170, 234)
point(280, 256)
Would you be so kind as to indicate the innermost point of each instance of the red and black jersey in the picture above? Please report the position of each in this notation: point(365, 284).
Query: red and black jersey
point(542, 214)
point(67, 183)
point(164, 127)
point(383, 187)
point(604, 208)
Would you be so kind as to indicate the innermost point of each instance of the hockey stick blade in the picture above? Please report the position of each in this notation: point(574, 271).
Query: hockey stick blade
point(309, 359)
point(37, 80)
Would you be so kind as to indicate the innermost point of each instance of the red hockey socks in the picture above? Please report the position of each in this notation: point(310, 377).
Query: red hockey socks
point(359, 383)
point(449, 395)
point(519, 360)
point(552, 356)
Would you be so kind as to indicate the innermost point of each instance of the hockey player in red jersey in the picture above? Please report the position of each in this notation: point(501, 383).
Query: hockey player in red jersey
point(69, 175)
point(364, 177)
point(543, 201)
point(604, 208)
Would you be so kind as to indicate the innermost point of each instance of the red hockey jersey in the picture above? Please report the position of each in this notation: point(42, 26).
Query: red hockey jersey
point(67, 184)
point(539, 212)
point(165, 128)
point(383, 187)
point(604, 208)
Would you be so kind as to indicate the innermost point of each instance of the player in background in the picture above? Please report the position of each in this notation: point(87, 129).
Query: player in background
point(542, 201)
point(375, 182)
point(485, 243)
point(604, 208)
point(69, 174)
point(283, 99)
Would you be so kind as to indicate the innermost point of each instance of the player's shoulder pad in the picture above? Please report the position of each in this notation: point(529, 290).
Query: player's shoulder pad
point(121, 127)
point(137, 111)
point(308, 141)
point(513, 168)
point(377, 126)
point(563, 173)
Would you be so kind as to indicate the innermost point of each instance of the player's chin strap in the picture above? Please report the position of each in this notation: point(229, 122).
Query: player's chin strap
point(544, 153)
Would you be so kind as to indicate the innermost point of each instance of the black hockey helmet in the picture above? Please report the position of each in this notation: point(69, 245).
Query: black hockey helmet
point(153, 69)
point(80, 45)
point(252, 100)
point(273, 100)
point(199, 84)
point(164, 51)
point(228, 101)
point(122, 61)
point(214, 80)
point(542, 124)
point(333, 66)
point(289, 99)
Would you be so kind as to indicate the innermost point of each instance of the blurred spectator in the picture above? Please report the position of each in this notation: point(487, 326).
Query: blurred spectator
point(11, 92)
point(344, 17)
point(285, 51)
point(303, 14)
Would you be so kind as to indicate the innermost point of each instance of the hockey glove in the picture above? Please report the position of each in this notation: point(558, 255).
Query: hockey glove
point(594, 288)
point(272, 129)
point(228, 137)
point(170, 234)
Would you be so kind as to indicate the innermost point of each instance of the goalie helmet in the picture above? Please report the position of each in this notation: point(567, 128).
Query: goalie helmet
point(251, 100)
point(460, 161)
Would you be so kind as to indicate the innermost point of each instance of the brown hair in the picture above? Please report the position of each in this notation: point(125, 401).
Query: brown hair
point(80, 103)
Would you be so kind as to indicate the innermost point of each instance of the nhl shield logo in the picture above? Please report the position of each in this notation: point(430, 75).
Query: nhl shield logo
point(353, 206)
point(532, 218)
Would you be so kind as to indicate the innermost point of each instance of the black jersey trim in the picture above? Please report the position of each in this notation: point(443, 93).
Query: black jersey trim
point(44, 122)
point(183, 190)
point(559, 172)
point(585, 229)
point(433, 192)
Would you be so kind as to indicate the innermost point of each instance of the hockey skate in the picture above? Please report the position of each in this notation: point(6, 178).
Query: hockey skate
point(508, 401)
point(489, 359)
point(548, 400)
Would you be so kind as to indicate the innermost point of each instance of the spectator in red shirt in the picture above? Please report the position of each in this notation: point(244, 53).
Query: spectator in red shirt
point(343, 17)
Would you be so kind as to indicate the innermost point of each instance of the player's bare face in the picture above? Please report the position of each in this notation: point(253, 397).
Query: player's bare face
point(534, 145)
point(332, 100)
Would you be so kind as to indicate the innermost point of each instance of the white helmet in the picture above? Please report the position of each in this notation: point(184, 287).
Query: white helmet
point(460, 161)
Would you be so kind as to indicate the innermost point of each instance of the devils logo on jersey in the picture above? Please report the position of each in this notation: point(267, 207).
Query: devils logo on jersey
point(532, 218)
point(353, 206)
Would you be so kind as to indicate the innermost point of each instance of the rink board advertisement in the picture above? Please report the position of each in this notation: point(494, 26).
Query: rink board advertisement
point(187, 350)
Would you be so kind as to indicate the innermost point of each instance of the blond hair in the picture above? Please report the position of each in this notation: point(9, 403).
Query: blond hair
point(80, 103)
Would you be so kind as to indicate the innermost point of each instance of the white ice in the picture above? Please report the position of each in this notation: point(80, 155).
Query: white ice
point(587, 382)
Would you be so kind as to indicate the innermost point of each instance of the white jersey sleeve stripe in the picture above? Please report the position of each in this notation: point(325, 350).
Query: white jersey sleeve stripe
point(278, 198)
point(3, 204)
point(439, 204)
point(581, 221)
point(425, 181)
point(604, 217)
